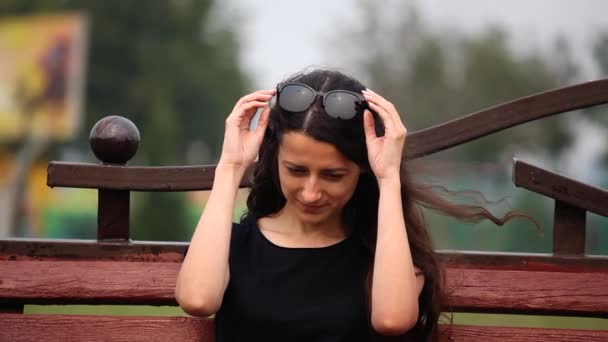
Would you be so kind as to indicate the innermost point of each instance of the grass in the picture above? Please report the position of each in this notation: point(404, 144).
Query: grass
point(458, 318)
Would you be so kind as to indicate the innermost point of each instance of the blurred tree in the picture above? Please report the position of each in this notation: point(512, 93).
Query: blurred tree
point(435, 77)
point(600, 54)
point(171, 68)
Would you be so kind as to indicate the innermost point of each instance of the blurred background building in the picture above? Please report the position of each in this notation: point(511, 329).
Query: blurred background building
point(176, 67)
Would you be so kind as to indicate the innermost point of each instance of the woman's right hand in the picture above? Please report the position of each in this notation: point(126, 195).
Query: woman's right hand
point(241, 144)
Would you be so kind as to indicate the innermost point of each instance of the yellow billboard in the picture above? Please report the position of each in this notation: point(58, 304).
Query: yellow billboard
point(42, 62)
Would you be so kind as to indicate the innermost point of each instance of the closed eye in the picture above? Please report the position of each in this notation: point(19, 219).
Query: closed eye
point(296, 171)
point(333, 176)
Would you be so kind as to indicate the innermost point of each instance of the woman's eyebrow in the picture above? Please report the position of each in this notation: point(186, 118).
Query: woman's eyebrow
point(336, 169)
point(290, 164)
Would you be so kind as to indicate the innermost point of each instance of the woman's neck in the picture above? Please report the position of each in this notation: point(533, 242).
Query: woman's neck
point(288, 228)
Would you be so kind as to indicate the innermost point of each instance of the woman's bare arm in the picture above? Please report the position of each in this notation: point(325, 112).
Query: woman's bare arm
point(204, 275)
point(395, 287)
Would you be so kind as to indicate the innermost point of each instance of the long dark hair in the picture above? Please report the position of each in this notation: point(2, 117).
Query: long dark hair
point(361, 212)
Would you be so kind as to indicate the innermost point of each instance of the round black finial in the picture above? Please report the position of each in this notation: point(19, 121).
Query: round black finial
point(114, 140)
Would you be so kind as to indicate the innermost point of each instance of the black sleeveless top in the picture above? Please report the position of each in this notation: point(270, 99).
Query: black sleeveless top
point(292, 294)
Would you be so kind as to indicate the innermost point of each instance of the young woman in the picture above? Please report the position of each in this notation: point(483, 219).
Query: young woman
point(333, 246)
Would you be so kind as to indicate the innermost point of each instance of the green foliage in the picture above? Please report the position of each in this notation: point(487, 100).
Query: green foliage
point(600, 54)
point(161, 217)
point(167, 66)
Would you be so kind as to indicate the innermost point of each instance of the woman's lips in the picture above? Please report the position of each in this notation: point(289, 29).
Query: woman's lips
point(311, 208)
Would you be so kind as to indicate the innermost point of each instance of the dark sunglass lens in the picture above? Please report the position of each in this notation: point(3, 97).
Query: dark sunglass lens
point(342, 105)
point(296, 98)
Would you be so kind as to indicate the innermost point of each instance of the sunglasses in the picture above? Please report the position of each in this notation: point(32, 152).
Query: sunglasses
point(339, 104)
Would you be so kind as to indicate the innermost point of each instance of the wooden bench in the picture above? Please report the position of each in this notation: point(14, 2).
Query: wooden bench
point(115, 270)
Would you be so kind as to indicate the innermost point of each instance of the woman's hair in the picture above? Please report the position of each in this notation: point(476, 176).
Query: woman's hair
point(361, 212)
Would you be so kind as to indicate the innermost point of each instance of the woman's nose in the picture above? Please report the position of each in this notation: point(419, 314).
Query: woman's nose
point(311, 191)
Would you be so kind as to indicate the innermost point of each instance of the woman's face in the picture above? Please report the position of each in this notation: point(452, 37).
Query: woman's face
point(316, 179)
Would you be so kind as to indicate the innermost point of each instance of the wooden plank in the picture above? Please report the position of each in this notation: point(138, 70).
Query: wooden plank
point(133, 178)
point(63, 249)
point(569, 229)
point(72, 249)
point(95, 282)
point(523, 261)
point(500, 117)
point(560, 188)
point(34, 328)
point(152, 283)
point(536, 292)
point(518, 334)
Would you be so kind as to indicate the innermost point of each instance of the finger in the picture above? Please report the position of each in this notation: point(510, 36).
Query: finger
point(242, 116)
point(252, 97)
point(260, 128)
point(379, 100)
point(377, 105)
point(384, 103)
point(368, 126)
point(248, 109)
point(263, 95)
point(392, 129)
point(384, 115)
point(389, 108)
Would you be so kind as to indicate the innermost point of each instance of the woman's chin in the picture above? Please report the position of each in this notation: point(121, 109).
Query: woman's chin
point(312, 218)
point(317, 218)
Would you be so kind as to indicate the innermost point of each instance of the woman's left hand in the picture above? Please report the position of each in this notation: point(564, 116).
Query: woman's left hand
point(384, 152)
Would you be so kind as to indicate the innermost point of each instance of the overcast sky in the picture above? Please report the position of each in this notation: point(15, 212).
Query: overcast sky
point(284, 36)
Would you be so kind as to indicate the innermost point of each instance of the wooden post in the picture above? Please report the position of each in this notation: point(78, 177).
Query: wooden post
point(114, 141)
point(569, 229)
point(113, 214)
